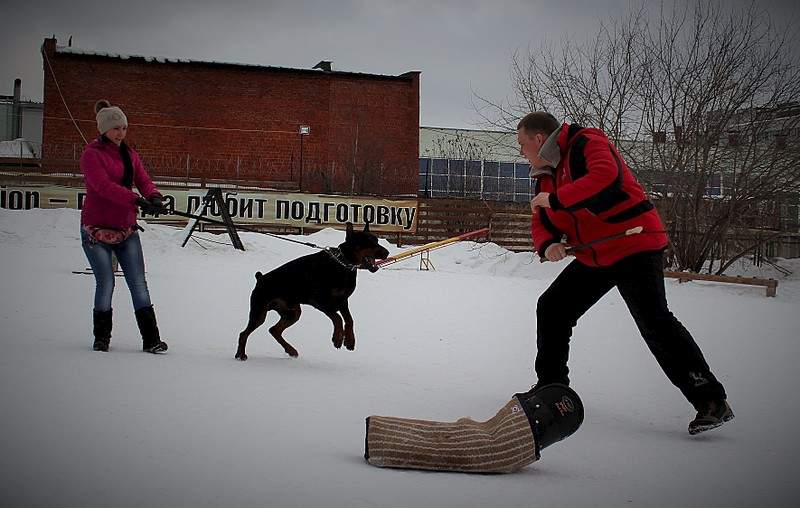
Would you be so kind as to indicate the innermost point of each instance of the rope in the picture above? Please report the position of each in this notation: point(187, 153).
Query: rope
point(198, 243)
point(209, 240)
point(196, 127)
point(55, 80)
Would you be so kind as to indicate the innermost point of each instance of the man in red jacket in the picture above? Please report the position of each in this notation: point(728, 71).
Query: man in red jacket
point(584, 192)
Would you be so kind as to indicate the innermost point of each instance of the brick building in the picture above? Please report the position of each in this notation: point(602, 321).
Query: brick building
point(223, 121)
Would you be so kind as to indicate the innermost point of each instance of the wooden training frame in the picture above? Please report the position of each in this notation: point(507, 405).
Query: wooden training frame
point(214, 195)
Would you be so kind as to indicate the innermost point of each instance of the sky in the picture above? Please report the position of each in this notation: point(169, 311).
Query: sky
point(462, 48)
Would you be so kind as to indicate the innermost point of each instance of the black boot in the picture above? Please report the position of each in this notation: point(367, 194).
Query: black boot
point(102, 330)
point(151, 340)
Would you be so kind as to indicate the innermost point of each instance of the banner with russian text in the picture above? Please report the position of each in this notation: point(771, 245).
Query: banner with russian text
point(246, 207)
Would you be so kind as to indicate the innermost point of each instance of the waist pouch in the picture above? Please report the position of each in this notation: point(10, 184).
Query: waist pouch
point(109, 236)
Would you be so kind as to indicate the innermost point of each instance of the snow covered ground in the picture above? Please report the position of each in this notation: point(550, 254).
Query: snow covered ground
point(196, 428)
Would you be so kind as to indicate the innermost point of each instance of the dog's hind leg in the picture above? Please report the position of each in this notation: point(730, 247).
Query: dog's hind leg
point(289, 316)
point(338, 330)
point(258, 314)
point(349, 335)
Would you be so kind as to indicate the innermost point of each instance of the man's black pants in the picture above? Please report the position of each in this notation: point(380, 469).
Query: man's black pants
point(640, 280)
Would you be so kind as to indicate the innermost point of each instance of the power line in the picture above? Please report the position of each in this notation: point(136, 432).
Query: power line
point(196, 127)
point(55, 80)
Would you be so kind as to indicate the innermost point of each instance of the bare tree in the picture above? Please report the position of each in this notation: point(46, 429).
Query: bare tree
point(726, 85)
point(592, 83)
point(707, 95)
point(457, 145)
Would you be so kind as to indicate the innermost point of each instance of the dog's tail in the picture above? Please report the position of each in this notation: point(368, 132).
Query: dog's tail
point(259, 275)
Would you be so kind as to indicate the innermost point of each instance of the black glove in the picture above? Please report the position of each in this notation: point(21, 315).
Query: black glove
point(153, 206)
point(158, 205)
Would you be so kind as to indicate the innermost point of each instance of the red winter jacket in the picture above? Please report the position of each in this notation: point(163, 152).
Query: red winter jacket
point(108, 203)
point(593, 194)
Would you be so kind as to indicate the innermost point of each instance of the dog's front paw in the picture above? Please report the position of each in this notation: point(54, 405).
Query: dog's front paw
point(291, 351)
point(350, 342)
point(241, 356)
point(337, 340)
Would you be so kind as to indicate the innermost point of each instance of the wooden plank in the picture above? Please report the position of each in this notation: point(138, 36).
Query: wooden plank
point(771, 285)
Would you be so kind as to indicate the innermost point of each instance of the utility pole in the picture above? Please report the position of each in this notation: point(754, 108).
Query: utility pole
point(305, 130)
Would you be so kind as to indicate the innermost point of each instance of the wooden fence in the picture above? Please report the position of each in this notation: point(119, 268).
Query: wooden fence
point(439, 219)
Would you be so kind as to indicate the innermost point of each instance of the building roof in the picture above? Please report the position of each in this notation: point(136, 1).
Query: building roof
point(406, 76)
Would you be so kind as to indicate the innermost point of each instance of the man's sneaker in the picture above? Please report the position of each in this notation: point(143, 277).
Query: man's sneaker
point(157, 348)
point(101, 344)
point(711, 415)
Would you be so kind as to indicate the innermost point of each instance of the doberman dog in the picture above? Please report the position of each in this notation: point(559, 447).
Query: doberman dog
point(324, 280)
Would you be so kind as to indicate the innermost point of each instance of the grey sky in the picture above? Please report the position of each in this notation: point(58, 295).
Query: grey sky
point(459, 46)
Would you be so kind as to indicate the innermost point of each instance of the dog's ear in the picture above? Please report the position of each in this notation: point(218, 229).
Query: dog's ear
point(348, 231)
point(366, 227)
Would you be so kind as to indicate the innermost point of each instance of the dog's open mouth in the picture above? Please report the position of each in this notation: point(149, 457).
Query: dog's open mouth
point(369, 264)
point(371, 258)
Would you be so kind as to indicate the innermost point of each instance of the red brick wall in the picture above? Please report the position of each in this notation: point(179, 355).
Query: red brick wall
point(364, 128)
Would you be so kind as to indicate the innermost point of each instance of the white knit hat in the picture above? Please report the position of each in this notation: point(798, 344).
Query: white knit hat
point(109, 116)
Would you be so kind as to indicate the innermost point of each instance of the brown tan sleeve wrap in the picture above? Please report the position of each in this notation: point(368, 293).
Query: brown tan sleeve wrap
point(502, 444)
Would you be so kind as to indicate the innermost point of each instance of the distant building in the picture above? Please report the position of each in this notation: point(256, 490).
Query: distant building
point(477, 164)
point(780, 125)
point(21, 119)
point(315, 129)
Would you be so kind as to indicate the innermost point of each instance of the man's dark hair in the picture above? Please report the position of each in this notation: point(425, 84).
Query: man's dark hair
point(538, 121)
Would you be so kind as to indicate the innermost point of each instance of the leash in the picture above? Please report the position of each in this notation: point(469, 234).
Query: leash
point(238, 226)
point(334, 252)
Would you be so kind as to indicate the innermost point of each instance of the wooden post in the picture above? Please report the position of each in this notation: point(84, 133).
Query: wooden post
point(425, 261)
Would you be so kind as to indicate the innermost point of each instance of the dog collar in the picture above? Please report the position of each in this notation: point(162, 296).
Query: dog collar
point(337, 255)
